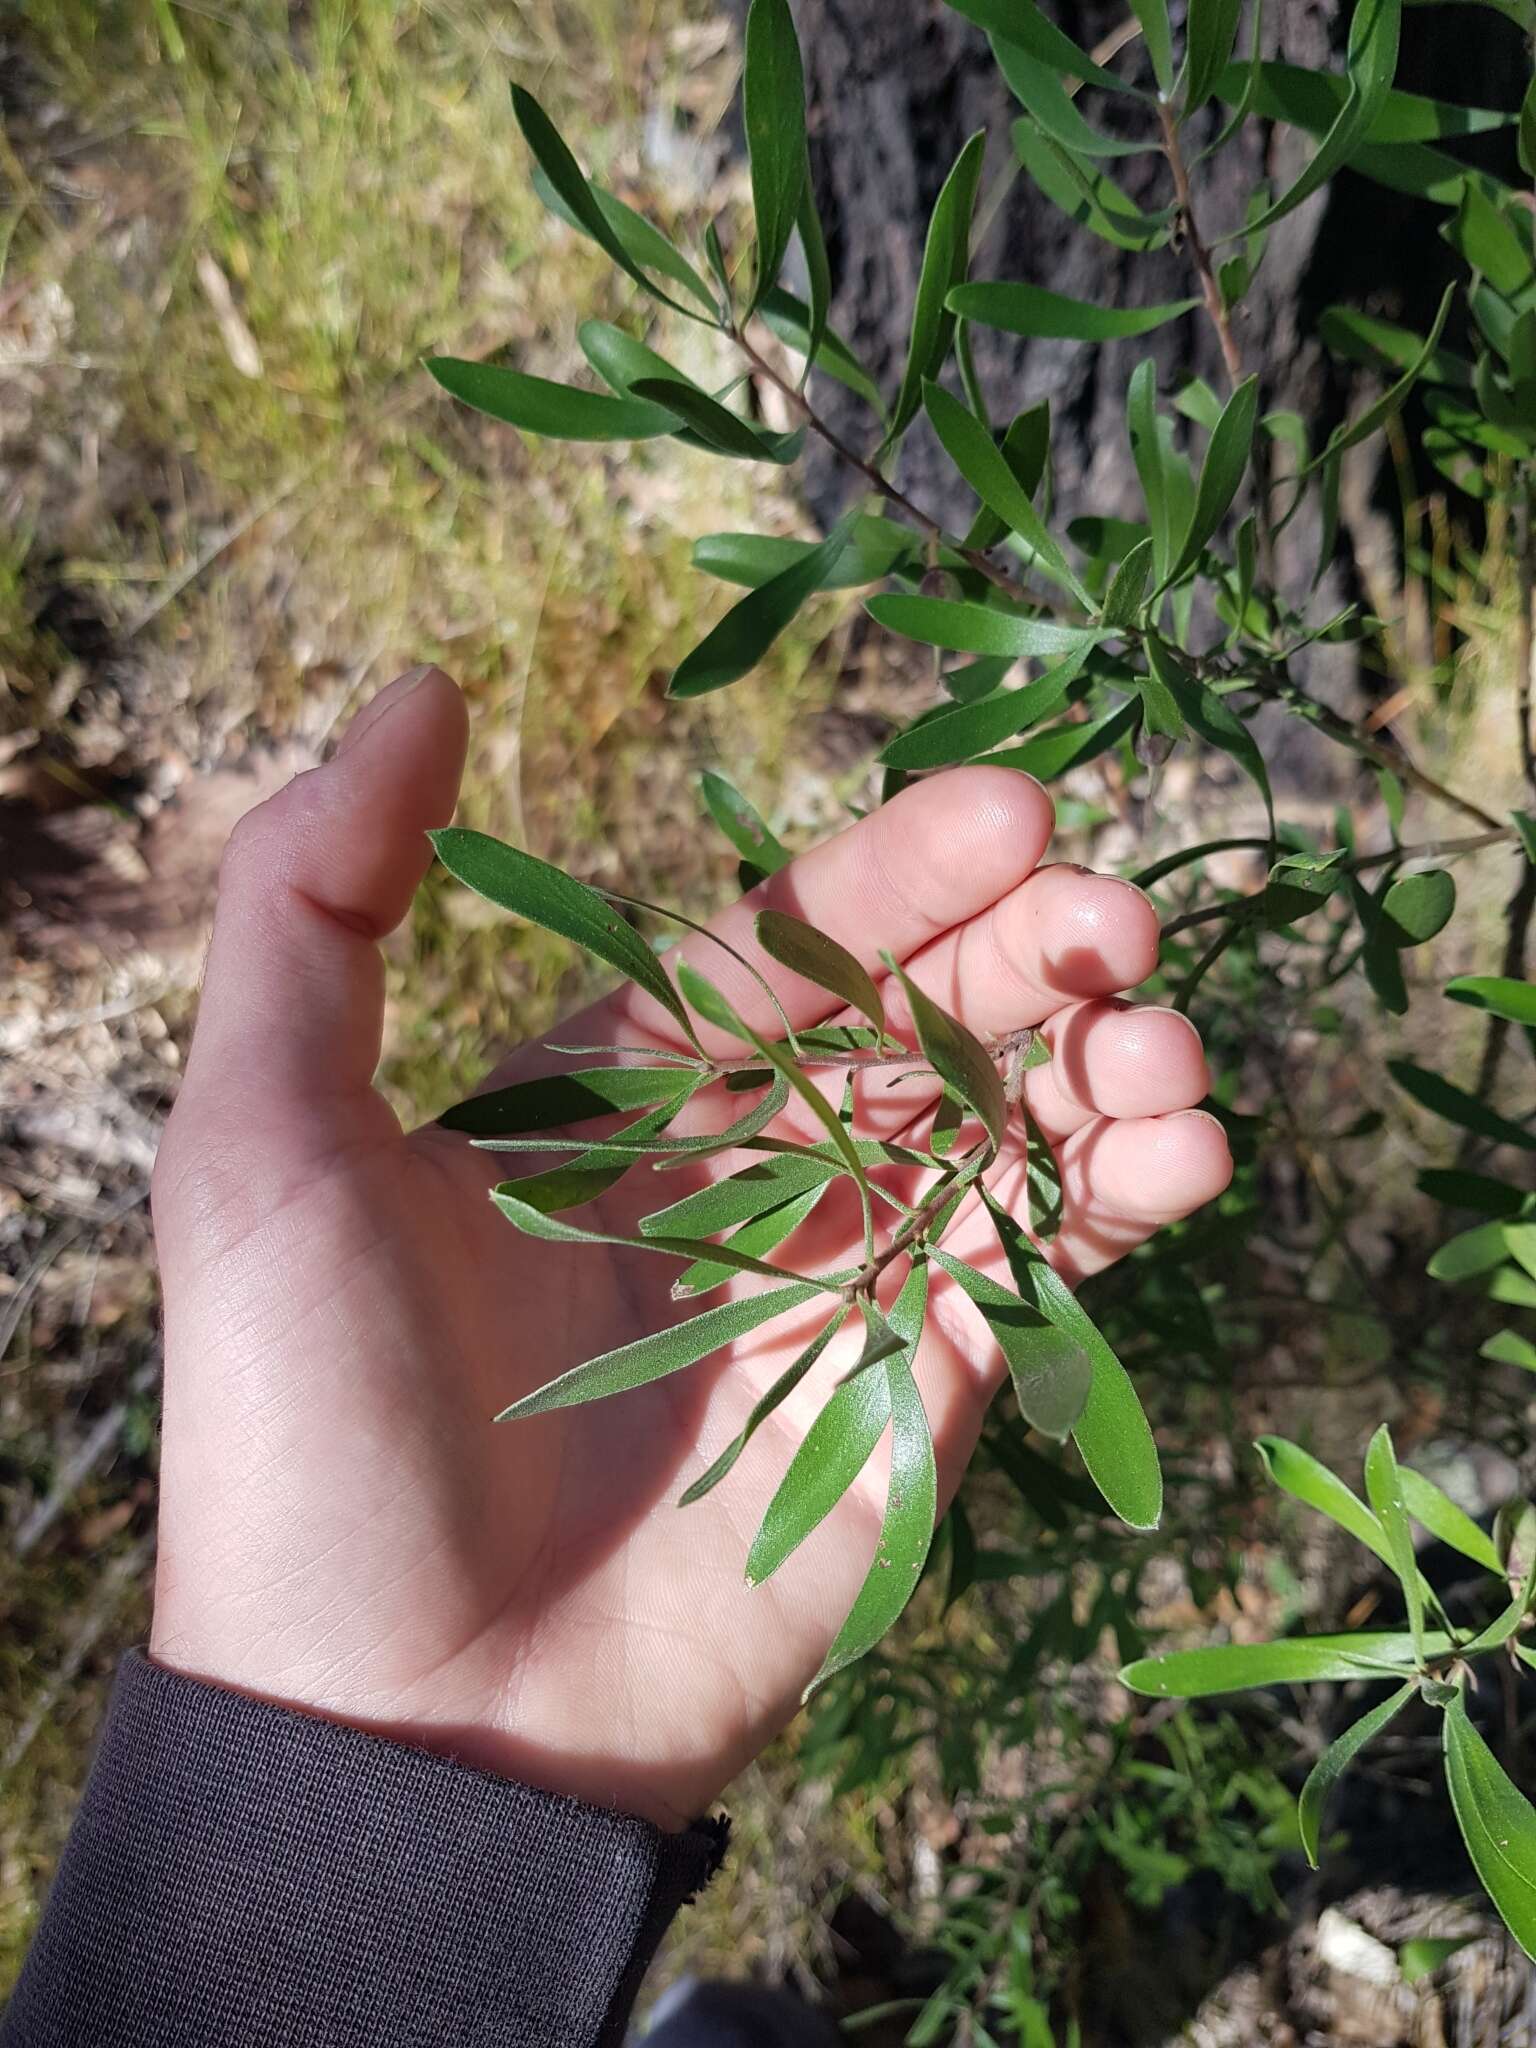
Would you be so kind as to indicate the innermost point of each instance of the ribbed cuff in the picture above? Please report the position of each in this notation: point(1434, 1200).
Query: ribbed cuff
point(242, 1873)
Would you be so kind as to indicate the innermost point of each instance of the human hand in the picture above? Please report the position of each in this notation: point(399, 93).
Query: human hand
point(342, 1526)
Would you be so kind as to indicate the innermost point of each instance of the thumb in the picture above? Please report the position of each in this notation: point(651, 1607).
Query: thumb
point(292, 1009)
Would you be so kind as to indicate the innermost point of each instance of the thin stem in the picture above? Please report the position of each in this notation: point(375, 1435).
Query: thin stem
point(1199, 251)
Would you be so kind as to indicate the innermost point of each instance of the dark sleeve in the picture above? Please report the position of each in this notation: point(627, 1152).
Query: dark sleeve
point(240, 1873)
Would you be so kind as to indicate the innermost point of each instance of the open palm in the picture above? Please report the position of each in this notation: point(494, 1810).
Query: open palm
point(343, 1527)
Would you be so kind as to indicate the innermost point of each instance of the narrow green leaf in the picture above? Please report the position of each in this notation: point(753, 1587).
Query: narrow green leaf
point(1361, 338)
point(1030, 309)
point(1384, 1490)
point(1039, 90)
point(1444, 1099)
point(1308, 1480)
point(818, 269)
point(664, 1351)
point(970, 729)
point(1390, 403)
point(1225, 465)
point(792, 321)
point(761, 1235)
point(1483, 236)
point(1498, 1825)
point(579, 201)
point(1022, 22)
point(1147, 453)
point(1508, 1347)
point(1469, 1253)
point(976, 455)
point(1127, 593)
point(1498, 994)
point(1423, 1956)
point(976, 628)
point(1210, 30)
point(725, 432)
point(634, 1141)
point(738, 643)
point(591, 1173)
point(536, 1222)
point(1440, 1515)
point(1051, 753)
point(874, 548)
point(812, 955)
point(1313, 100)
point(773, 115)
point(1370, 63)
point(1153, 16)
point(1297, 1660)
point(1051, 1373)
point(1210, 716)
point(911, 1506)
point(752, 1191)
point(646, 245)
point(1026, 449)
point(558, 1100)
point(1086, 194)
point(775, 1397)
point(539, 407)
point(530, 887)
point(957, 1056)
point(1474, 1191)
point(1336, 1760)
point(946, 254)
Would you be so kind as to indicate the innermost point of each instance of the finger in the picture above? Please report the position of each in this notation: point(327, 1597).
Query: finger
point(937, 855)
point(1062, 935)
point(1122, 1180)
point(1115, 1059)
point(293, 996)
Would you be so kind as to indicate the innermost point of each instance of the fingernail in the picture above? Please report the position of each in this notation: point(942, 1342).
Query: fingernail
point(392, 694)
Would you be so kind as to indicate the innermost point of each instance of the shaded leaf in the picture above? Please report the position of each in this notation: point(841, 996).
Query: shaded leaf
point(1225, 465)
point(1446, 1100)
point(738, 643)
point(1022, 22)
point(1370, 64)
point(819, 959)
point(776, 1395)
point(762, 1234)
point(535, 1222)
point(724, 432)
point(969, 729)
point(980, 461)
point(873, 548)
point(558, 1100)
point(790, 319)
point(1336, 1760)
point(773, 116)
point(1051, 1374)
point(1297, 1660)
point(1416, 907)
point(741, 824)
point(1440, 1515)
point(1499, 995)
point(644, 242)
point(1384, 1490)
point(1086, 194)
point(1030, 309)
point(540, 407)
point(957, 1056)
point(1310, 1481)
point(763, 1185)
point(1498, 1824)
point(946, 254)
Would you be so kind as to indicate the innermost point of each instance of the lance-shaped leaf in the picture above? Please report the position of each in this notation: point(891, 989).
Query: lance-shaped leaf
point(1147, 454)
point(663, 1352)
point(741, 639)
point(970, 729)
point(1127, 594)
point(761, 1235)
point(1310, 1481)
point(1210, 30)
point(740, 1196)
point(1022, 22)
point(1497, 1822)
point(832, 1454)
point(1366, 423)
point(946, 253)
point(873, 548)
point(1112, 1433)
point(636, 1139)
point(1440, 1515)
point(1030, 309)
point(644, 242)
point(977, 628)
point(1210, 716)
point(1445, 1099)
point(1313, 100)
point(556, 1101)
point(1500, 995)
point(1051, 1374)
point(1226, 463)
point(773, 115)
point(978, 458)
point(1158, 36)
point(818, 269)
point(533, 1222)
point(541, 407)
point(520, 882)
point(957, 1056)
point(742, 825)
point(578, 200)
point(722, 431)
point(911, 1505)
point(1298, 1660)
point(818, 959)
point(1336, 1760)
point(624, 363)
point(793, 322)
point(775, 1397)
point(1086, 194)
point(1052, 753)
point(1384, 1490)
point(1371, 63)
point(1026, 449)
point(592, 1172)
point(1039, 90)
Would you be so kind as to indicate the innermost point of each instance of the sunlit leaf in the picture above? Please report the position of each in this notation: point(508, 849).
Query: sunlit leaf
point(1500, 995)
point(1086, 194)
point(1498, 1825)
point(1030, 309)
point(976, 628)
point(1384, 1490)
point(1022, 22)
point(1310, 1481)
point(970, 729)
point(558, 1100)
point(957, 1056)
point(773, 116)
point(946, 254)
point(976, 455)
point(738, 643)
point(776, 1395)
point(749, 1192)
point(1051, 1374)
point(1439, 1514)
point(662, 1352)
point(790, 319)
point(644, 242)
point(761, 1235)
point(535, 1222)
point(1225, 465)
point(873, 548)
point(540, 407)
point(1370, 64)
point(819, 959)
point(1298, 1660)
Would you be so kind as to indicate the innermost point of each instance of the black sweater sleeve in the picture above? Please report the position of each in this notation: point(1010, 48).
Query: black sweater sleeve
point(241, 1873)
